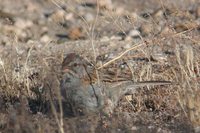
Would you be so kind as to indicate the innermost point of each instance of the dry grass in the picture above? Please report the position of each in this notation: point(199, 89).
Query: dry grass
point(34, 72)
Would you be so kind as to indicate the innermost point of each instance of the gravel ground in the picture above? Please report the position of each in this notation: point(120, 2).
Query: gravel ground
point(140, 40)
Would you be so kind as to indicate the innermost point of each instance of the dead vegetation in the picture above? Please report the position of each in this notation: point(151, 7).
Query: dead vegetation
point(163, 45)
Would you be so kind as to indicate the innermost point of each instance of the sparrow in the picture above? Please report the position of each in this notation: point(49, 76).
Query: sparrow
point(80, 88)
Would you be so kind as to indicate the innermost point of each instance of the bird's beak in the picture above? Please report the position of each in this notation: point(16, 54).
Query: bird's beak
point(65, 70)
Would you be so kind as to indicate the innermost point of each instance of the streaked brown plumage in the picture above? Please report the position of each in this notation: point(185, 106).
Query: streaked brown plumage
point(79, 87)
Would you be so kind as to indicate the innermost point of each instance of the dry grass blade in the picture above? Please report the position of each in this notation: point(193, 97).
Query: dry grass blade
point(121, 55)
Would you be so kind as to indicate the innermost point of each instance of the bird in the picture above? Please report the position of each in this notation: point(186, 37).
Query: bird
point(80, 88)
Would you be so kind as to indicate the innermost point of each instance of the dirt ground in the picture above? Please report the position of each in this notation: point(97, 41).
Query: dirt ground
point(146, 40)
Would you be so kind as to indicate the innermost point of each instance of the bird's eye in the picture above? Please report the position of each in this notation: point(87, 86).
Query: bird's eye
point(75, 64)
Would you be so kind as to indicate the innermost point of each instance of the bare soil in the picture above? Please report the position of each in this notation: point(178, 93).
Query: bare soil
point(144, 40)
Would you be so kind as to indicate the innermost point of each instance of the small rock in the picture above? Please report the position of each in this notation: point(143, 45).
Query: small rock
point(158, 14)
point(128, 38)
point(116, 38)
point(151, 127)
point(32, 7)
point(158, 55)
point(127, 46)
point(75, 33)
point(134, 16)
point(89, 17)
point(104, 39)
point(159, 130)
point(134, 128)
point(44, 30)
point(146, 29)
point(58, 16)
point(166, 31)
point(129, 97)
point(30, 42)
point(23, 24)
point(69, 16)
point(134, 33)
point(119, 130)
point(120, 11)
point(45, 39)
point(106, 4)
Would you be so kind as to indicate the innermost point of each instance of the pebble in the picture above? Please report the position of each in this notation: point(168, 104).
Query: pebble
point(166, 31)
point(134, 128)
point(57, 16)
point(32, 7)
point(75, 33)
point(127, 46)
point(128, 38)
point(104, 39)
point(159, 130)
point(146, 29)
point(106, 4)
point(158, 55)
point(89, 17)
point(23, 24)
point(134, 33)
point(151, 127)
point(120, 11)
point(158, 14)
point(116, 37)
point(45, 39)
point(69, 16)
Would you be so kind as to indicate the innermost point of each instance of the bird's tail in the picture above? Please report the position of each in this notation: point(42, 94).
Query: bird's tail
point(121, 88)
